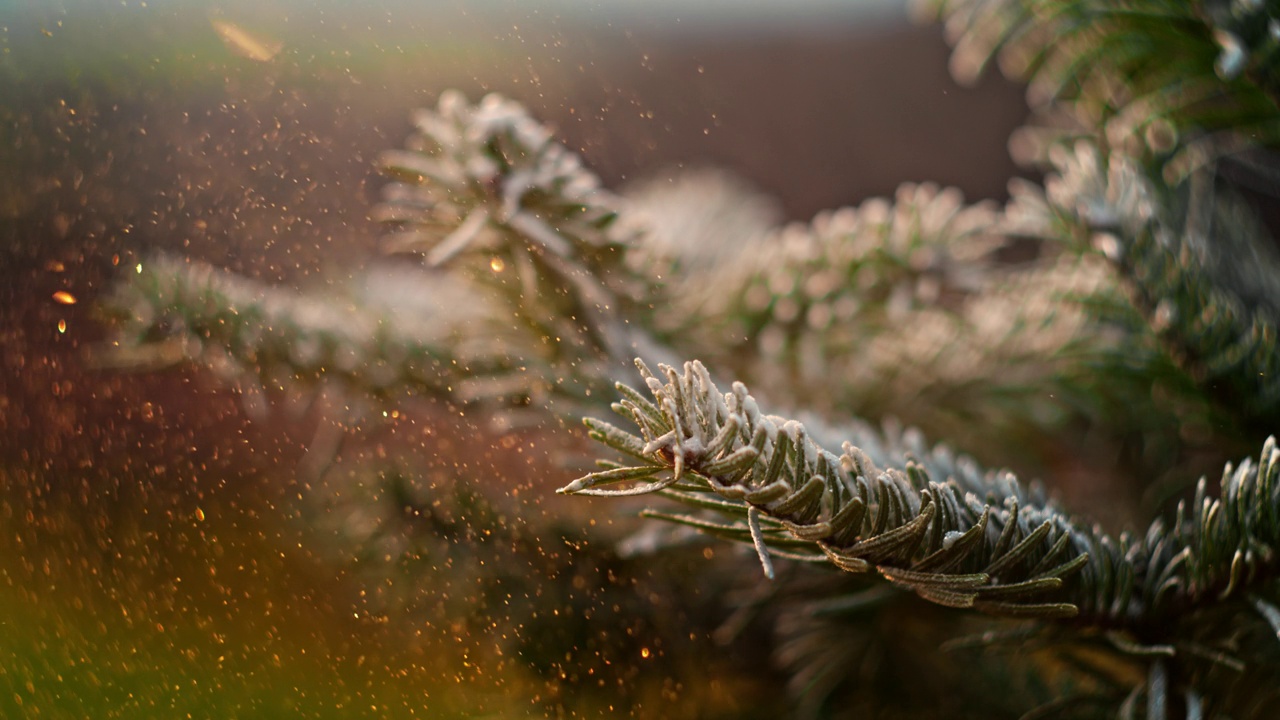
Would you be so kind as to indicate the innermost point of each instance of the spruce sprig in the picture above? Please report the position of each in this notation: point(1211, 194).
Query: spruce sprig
point(972, 540)
point(965, 542)
point(484, 189)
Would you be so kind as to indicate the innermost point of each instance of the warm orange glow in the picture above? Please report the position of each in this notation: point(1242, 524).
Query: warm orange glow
point(64, 297)
point(245, 44)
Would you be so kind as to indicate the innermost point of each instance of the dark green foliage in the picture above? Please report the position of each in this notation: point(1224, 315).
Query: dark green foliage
point(1183, 79)
point(1198, 264)
point(1174, 96)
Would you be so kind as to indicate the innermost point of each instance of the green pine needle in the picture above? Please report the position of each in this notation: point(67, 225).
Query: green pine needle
point(971, 541)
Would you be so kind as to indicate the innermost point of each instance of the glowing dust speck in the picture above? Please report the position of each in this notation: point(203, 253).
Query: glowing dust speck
point(497, 265)
point(644, 652)
point(139, 268)
point(199, 514)
point(64, 297)
point(244, 44)
point(62, 326)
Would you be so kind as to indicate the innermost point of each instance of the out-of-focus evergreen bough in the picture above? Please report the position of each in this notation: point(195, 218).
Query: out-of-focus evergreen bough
point(1117, 323)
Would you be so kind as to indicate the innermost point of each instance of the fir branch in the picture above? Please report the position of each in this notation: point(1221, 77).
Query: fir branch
point(859, 517)
point(904, 306)
point(528, 249)
point(790, 310)
point(388, 339)
point(491, 166)
point(973, 540)
point(1169, 78)
point(485, 190)
point(1197, 263)
point(873, 263)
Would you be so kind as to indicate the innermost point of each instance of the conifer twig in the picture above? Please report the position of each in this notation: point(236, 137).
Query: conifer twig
point(1184, 262)
point(389, 339)
point(971, 540)
point(486, 190)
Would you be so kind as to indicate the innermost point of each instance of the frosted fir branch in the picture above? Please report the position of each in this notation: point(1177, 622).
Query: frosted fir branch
point(798, 302)
point(722, 453)
point(485, 190)
point(1228, 344)
point(387, 339)
point(1197, 263)
point(897, 306)
point(1084, 190)
point(971, 540)
point(490, 165)
point(1248, 40)
point(1181, 80)
point(921, 248)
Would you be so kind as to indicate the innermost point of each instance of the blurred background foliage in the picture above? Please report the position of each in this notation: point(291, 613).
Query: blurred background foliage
point(175, 545)
point(164, 556)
